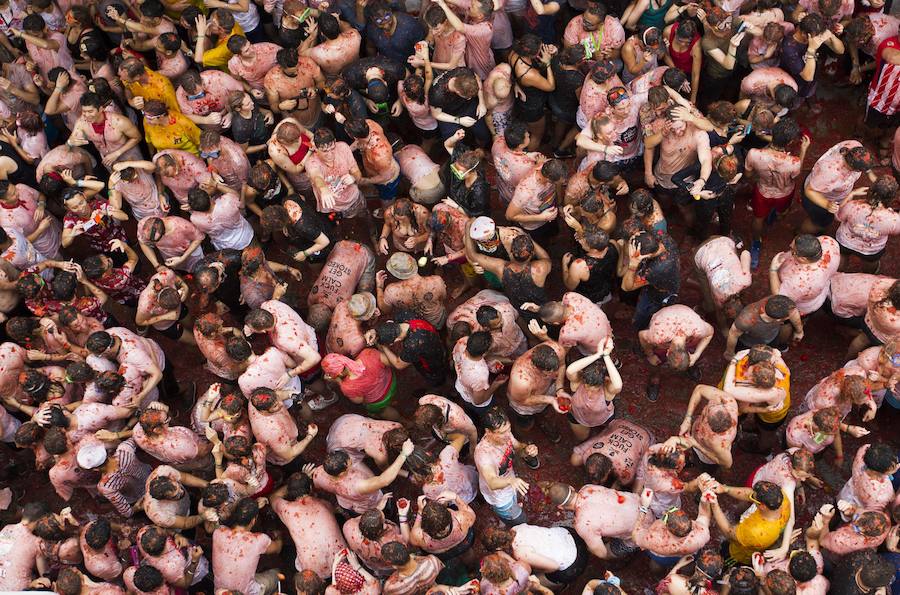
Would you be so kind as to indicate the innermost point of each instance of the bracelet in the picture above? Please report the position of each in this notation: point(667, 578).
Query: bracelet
point(403, 518)
point(79, 184)
point(644, 509)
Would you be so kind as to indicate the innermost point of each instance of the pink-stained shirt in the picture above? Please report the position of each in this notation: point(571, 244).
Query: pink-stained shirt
point(141, 194)
point(885, 25)
point(314, 530)
point(128, 579)
point(165, 513)
point(864, 491)
point(883, 320)
point(172, 68)
point(148, 303)
point(448, 44)
point(865, 229)
point(192, 172)
point(415, 164)
point(534, 194)
point(224, 223)
point(755, 85)
point(103, 564)
point(278, 431)
point(171, 562)
point(12, 362)
point(845, 540)
point(602, 513)
point(47, 59)
point(590, 407)
point(479, 55)
point(512, 166)
point(798, 434)
point(776, 171)
point(90, 417)
point(232, 164)
point(290, 332)
point(509, 340)
point(369, 551)
point(827, 392)
point(342, 272)
point(419, 113)
point(66, 475)
point(455, 418)
point(677, 321)
point(655, 537)
point(217, 360)
point(593, 100)
point(176, 445)
point(586, 325)
point(34, 144)
point(346, 487)
point(269, 370)
point(216, 85)
point(448, 474)
point(623, 442)
point(19, 549)
point(180, 234)
point(21, 218)
point(339, 163)
point(831, 176)
point(471, 375)
point(332, 55)
point(627, 131)
point(610, 37)
point(360, 436)
point(677, 151)
point(235, 557)
point(849, 293)
point(255, 71)
point(64, 157)
point(808, 284)
point(718, 259)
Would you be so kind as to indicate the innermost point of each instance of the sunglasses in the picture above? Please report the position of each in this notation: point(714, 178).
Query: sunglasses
point(384, 20)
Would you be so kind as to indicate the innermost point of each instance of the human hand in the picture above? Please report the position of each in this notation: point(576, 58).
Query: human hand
point(520, 485)
point(312, 430)
point(308, 469)
point(857, 431)
point(646, 497)
point(650, 180)
point(467, 121)
point(201, 24)
point(537, 329)
point(529, 307)
point(409, 243)
point(549, 215)
point(407, 448)
point(383, 247)
point(173, 261)
point(371, 337)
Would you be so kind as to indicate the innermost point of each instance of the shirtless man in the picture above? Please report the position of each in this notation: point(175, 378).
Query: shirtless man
point(311, 523)
point(22, 550)
point(113, 135)
point(599, 513)
point(236, 551)
point(225, 159)
point(361, 436)
point(333, 173)
point(679, 335)
point(764, 323)
point(354, 485)
point(673, 536)
point(613, 455)
point(425, 296)
point(290, 87)
point(125, 348)
point(173, 445)
point(379, 166)
point(536, 380)
point(251, 62)
point(350, 268)
point(273, 426)
point(713, 431)
point(346, 331)
point(868, 530)
point(177, 240)
point(724, 273)
point(161, 306)
point(339, 46)
point(804, 273)
point(582, 323)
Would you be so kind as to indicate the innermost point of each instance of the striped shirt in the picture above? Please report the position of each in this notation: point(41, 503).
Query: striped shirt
point(884, 90)
point(125, 486)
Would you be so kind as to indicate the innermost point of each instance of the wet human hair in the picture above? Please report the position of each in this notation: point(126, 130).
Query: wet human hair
point(675, 79)
point(784, 132)
point(545, 358)
point(719, 420)
point(872, 523)
point(259, 319)
point(768, 494)
point(163, 488)
point(515, 133)
point(307, 582)
point(779, 582)
point(763, 374)
point(33, 23)
point(199, 200)
point(236, 43)
point(554, 170)
point(803, 567)
point(69, 581)
point(879, 572)
point(436, 519)
point(495, 568)
point(679, 523)
point(466, 84)
point(237, 348)
point(427, 416)
point(882, 191)
point(263, 398)
point(395, 553)
point(151, 419)
point(528, 45)
point(779, 307)
point(743, 581)
point(521, 249)
point(393, 440)
point(647, 242)
point(336, 462)
point(859, 30)
point(153, 539)
point(803, 459)
point(880, 457)
point(371, 524)
point(596, 238)
point(808, 246)
point(785, 96)
point(224, 18)
point(243, 514)
point(678, 358)
point(262, 176)
point(28, 434)
point(22, 329)
point(658, 95)
point(170, 41)
point(599, 468)
point(298, 486)
point(721, 112)
point(686, 30)
point(49, 528)
point(479, 343)
point(357, 128)
point(827, 420)
point(813, 24)
point(155, 107)
point(63, 285)
point(152, 9)
point(147, 578)
point(709, 562)
point(237, 446)
point(388, 332)
point(594, 374)
point(494, 418)
point(98, 534)
point(215, 494)
point(496, 539)
point(55, 441)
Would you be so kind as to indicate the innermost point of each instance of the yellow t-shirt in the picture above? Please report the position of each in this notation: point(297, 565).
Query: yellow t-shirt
point(755, 533)
point(784, 383)
point(218, 56)
point(157, 87)
point(176, 131)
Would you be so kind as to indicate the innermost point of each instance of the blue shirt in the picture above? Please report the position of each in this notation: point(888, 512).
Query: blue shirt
point(399, 45)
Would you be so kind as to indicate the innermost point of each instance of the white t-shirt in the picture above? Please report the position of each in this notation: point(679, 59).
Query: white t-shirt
point(248, 20)
point(555, 543)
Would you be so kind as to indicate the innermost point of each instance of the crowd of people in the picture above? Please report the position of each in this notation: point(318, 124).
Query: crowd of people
point(416, 212)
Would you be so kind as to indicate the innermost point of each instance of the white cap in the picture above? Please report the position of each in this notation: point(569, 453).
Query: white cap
point(91, 455)
point(483, 228)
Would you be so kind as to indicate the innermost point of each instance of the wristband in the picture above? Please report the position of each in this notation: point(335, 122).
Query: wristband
point(644, 509)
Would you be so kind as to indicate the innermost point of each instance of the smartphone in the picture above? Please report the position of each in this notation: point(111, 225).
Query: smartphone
point(748, 128)
point(742, 26)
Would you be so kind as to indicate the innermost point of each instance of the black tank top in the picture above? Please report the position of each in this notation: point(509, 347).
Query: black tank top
point(600, 274)
point(520, 288)
point(535, 99)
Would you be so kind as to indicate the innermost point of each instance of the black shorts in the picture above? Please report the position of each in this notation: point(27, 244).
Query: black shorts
point(574, 570)
point(875, 340)
point(876, 119)
point(865, 257)
point(460, 548)
point(819, 216)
